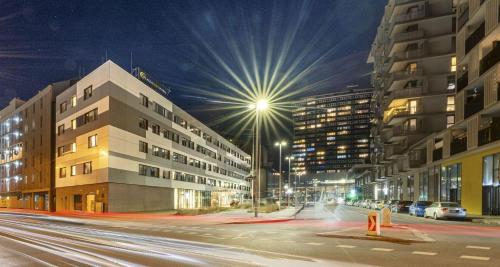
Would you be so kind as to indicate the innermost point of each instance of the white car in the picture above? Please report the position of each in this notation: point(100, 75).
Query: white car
point(438, 210)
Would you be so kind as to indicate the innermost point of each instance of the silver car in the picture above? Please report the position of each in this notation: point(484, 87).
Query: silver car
point(439, 210)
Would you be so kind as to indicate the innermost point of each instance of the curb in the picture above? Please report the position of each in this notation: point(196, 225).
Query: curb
point(260, 221)
point(289, 218)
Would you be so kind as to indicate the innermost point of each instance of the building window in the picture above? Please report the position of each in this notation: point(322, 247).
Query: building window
point(155, 128)
point(87, 93)
point(451, 183)
point(60, 129)
point(145, 170)
point(450, 103)
point(144, 100)
point(73, 147)
point(73, 170)
point(450, 120)
point(143, 147)
point(62, 172)
point(87, 167)
point(453, 63)
point(413, 106)
point(92, 141)
point(73, 101)
point(63, 107)
point(73, 124)
point(143, 123)
point(451, 82)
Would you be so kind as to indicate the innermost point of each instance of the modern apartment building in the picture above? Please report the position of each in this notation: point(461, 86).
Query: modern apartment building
point(27, 151)
point(460, 161)
point(332, 131)
point(123, 146)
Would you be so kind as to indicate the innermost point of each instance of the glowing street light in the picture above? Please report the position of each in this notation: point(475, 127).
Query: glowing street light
point(280, 144)
point(260, 106)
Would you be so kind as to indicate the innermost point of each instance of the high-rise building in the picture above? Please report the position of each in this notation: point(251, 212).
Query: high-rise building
point(459, 163)
point(414, 80)
point(123, 146)
point(332, 131)
point(27, 151)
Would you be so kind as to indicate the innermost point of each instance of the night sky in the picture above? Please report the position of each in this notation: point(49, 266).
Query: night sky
point(182, 44)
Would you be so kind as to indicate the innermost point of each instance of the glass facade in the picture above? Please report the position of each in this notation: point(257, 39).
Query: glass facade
point(491, 185)
point(332, 132)
point(451, 183)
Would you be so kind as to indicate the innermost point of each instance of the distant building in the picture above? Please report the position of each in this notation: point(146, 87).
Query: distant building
point(27, 151)
point(332, 132)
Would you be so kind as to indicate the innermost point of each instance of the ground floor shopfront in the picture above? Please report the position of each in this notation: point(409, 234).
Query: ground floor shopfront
point(113, 197)
point(471, 178)
point(36, 200)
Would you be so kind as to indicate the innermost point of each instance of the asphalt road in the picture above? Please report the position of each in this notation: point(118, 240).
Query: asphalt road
point(47, 240)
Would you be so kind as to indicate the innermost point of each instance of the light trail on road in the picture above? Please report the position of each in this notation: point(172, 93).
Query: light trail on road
point(54, 244)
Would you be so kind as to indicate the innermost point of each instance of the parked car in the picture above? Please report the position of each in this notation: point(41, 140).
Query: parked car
point(439, 210)
point(367, 203)
point(382, 204)
point(417, 208)
point(390, 204)
point(401, 206)
point(376, 205)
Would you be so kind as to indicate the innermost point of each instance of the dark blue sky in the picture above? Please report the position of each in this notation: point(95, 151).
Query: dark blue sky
point(178, 42)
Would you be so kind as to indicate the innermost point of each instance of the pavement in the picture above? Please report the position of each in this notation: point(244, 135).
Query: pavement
point(307, 240)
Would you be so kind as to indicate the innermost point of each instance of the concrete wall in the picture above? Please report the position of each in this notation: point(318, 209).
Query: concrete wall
point(123, 198)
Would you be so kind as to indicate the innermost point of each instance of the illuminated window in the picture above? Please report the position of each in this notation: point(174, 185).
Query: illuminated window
point(450, 103)
point(87, 167)
point(73, 170)
point(365, 155)
point(413, 106)
point(412, 67)
point(453, 67)
point(92, 141)
point(73, 147)
point(73, 124)
point(73, 101)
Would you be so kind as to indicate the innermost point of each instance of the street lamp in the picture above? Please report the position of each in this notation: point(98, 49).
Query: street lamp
point(289, 158)
point(280, 144)
point(260, 106)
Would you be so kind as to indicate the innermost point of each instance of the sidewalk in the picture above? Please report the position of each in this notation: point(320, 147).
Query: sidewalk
point(243, 216)
point(490, 220)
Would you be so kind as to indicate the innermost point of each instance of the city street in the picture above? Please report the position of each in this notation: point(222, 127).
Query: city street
point(204, 241)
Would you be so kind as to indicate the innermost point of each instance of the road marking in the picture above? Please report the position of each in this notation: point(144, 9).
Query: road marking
point(475, 258)
point(424, 253)
point(314, 244)
point(383, 249)
point(477, 247)
point(345, 246)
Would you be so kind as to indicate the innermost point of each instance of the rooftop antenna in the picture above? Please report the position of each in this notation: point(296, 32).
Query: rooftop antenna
point(131, 62)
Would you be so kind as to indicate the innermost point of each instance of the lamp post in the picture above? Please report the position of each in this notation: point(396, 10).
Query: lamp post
point(259, 106)
point(289, 158)
point(280, 145)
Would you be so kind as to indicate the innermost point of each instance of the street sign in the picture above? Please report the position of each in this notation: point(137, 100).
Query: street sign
point(386, 217)
point(373, 223)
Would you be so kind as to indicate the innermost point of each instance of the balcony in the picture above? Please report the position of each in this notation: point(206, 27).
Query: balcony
point(458, 145)
point(409, 54)
point(474, 102)
point(474, 38)
point(491, 59)
point(489, 135)
point(437, 154)
point(393, 151)
point(418, 160)
point(404, 36)
point(404, 74)
point(463, 81)
point(463, 18)
point(406, 93)
point(402, 2)
point(419, 14)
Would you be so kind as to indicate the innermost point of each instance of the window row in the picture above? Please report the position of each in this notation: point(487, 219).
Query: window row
point(85, 168)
